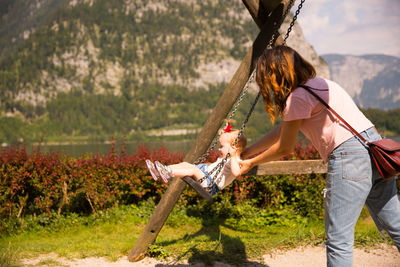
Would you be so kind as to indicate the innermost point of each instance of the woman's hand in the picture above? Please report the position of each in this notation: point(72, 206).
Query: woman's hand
point(245, 166)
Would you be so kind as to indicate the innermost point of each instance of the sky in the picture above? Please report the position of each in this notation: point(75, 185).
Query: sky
point(352, 27)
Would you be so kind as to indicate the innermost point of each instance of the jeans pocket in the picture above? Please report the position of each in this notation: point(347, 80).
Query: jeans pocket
point(356, 165)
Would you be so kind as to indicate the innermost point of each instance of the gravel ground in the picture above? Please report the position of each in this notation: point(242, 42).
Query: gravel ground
point(385, 256)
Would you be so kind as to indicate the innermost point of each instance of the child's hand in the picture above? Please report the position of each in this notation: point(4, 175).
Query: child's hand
point(245, 166)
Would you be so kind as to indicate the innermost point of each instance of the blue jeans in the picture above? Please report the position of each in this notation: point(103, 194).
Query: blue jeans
point(214, 188)
point(352, 181)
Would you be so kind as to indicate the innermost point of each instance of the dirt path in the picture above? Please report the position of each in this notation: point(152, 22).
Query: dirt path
point(384, 256)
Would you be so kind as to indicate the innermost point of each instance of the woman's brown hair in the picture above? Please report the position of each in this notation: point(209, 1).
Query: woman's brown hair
point(280, 70)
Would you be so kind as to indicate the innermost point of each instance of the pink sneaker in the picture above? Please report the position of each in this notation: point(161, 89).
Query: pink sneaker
point(164, 171)
point(152, 169)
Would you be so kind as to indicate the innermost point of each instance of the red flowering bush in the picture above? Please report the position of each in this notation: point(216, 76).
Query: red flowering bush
point(52, 182)
point(303, 150)
point(56, 183)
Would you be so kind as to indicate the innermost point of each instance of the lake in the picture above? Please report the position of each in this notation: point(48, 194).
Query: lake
point(77, 150)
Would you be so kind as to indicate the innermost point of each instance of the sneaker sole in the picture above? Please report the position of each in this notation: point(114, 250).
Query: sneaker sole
point(163, 177)
point(150, 166)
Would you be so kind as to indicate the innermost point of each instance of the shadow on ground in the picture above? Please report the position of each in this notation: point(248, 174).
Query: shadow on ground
point(233, 249)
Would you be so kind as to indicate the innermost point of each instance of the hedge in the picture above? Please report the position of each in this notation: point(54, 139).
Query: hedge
point(37, 183)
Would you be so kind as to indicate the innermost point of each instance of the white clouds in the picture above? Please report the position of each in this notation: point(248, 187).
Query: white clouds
point(350, 11)
point(315, 23)
point(351, 27)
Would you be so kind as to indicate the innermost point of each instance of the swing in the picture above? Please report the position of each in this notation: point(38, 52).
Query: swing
point(196, 185)
point(171, 196)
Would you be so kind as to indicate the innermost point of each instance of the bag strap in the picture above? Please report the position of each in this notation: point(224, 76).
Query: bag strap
point(308, 89)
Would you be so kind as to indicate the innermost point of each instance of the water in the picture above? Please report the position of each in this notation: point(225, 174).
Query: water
point(77, 150)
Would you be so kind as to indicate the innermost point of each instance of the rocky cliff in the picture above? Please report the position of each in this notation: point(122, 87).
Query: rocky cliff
point(372, 80)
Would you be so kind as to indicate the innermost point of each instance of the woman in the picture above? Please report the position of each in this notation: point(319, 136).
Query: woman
point(352, 180)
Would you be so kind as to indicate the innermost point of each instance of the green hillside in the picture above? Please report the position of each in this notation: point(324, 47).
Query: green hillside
point(117, 67)
point(91, 70)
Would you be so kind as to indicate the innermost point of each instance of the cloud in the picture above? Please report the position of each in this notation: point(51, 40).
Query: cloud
point(315, 23)
point(348, 27)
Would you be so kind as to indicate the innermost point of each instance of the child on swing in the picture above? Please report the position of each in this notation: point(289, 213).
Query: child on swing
point(228, 173)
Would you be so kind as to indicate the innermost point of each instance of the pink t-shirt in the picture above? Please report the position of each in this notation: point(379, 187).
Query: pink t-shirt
point(325, 131)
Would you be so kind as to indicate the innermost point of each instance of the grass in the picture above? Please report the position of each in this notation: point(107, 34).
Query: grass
point(8, 257)
point(113, 233)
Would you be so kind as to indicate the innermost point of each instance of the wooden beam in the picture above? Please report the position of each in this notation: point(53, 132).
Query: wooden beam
point(260, 10)
point(206, 135)
point(290, 167)
point(257, 11)
point(272, 4)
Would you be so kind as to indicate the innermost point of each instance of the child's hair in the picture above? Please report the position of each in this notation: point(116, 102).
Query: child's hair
point(242, 141)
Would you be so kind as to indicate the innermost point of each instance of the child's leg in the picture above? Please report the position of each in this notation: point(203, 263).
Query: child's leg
point(183, 169)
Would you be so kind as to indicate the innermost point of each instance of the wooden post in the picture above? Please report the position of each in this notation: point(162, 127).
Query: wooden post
point(206, 135)
point(259, 10)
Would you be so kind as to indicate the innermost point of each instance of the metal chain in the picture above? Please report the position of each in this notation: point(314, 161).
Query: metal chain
point(271, 42)
point(293, 20)
point(232, 114)
point(278, 25)
point(220, 165)
point(246, 119)
point(203, 157)
point(217, 169)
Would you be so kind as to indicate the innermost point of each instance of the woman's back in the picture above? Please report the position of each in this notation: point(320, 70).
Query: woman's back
point(319, 125)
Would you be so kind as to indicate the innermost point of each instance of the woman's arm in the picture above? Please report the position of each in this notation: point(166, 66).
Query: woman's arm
point(261, 145)
point(282, 146)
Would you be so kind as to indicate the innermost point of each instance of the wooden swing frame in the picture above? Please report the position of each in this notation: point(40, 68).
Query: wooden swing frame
point(266, 14)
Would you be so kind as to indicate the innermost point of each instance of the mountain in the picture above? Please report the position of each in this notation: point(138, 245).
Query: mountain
point(88, 45)
point(101, 68)
point(19, 19)
point(372, 80)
